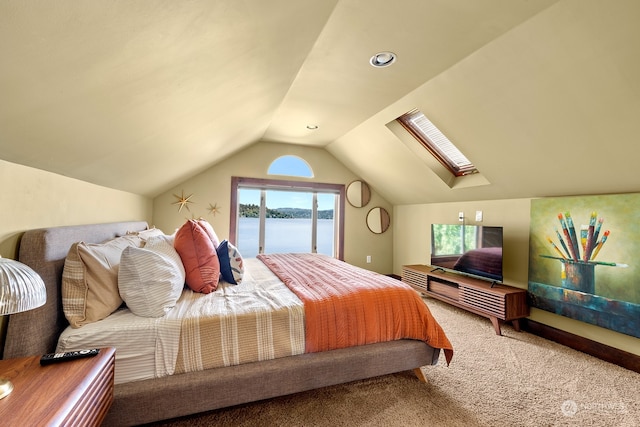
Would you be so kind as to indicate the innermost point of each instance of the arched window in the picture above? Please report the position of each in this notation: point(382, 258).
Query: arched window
point(290, 166)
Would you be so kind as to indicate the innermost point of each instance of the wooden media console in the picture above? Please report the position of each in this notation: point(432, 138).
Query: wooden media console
point(495, 301)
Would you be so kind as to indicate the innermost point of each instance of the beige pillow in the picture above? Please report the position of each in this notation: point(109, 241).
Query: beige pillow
point(90, 279)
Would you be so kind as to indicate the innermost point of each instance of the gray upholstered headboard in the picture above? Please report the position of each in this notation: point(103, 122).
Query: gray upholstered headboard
point(36, 331)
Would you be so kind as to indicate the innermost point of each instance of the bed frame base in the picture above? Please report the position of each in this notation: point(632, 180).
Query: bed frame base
point(191, 393)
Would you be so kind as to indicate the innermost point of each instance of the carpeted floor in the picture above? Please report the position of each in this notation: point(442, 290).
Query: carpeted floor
point(517, 379)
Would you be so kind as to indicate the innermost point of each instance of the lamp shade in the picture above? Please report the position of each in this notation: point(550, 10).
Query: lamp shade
point(21, 288)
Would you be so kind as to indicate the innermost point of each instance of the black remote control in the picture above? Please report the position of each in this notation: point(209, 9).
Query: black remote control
point(50, 358)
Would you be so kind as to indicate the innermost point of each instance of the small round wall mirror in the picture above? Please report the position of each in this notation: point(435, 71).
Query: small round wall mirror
point(358, 194)
point(378, 220)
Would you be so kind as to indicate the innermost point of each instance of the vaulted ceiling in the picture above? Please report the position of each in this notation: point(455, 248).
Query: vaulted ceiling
point(140, 95)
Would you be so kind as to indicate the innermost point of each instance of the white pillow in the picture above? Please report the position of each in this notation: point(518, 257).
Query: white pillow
point(148, 233)
point(151, 279)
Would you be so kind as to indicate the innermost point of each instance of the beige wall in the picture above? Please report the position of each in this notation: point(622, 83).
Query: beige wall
point(411, 246)
point(32, 198)
point(213, 187)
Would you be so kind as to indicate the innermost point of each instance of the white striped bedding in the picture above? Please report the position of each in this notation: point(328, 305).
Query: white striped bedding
point(242, 322)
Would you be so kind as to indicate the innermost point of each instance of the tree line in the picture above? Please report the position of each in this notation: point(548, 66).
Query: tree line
point(253, 211)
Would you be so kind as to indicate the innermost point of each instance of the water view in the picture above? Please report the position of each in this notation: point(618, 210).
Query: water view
point(284, 235)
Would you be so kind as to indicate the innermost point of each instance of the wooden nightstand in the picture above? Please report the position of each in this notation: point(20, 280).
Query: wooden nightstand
point(75, 392)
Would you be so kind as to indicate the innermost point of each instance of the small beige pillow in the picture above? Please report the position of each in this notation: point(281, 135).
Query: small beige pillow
point(90, 279)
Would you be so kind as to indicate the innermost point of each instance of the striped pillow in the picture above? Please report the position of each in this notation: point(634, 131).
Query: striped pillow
point(90, 280)
point(151, 279)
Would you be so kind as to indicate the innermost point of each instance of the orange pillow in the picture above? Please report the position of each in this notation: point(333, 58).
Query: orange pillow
point(210, 232)
point(199, 257)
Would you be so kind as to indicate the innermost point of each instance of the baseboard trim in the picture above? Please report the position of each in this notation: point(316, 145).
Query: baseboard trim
point(601, 351)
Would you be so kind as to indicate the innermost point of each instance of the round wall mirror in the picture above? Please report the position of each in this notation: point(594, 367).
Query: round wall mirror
point(358, 194)
point(378, 220)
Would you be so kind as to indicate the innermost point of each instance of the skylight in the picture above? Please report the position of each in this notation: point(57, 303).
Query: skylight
point(436, 143)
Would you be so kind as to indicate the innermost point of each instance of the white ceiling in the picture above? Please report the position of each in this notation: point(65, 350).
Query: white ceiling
point(141, 95)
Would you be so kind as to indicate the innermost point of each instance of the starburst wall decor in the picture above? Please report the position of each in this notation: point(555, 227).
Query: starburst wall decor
point(214, 209)
point(182, 201)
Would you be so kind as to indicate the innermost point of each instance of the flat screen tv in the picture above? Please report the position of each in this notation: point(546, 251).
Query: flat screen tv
point(473, 250)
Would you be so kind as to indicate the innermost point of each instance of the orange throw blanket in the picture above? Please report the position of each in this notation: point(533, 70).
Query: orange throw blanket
point(347, 306)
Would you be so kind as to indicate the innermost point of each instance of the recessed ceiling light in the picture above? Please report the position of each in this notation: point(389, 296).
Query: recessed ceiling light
point(312, 127)
point(383, 59)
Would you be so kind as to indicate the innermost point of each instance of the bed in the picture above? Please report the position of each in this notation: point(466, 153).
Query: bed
point(164, 397)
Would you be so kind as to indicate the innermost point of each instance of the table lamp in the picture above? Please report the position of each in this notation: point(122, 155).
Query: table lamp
point(21, 289)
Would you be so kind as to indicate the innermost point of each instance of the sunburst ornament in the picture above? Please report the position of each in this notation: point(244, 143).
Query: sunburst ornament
point(214, 209)
point(182, 201)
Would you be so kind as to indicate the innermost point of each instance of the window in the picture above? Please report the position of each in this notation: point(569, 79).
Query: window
point(269, 216)
point(291, 166)
point(418, 125)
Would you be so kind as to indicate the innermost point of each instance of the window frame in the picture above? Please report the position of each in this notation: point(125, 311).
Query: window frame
point(275, 184)
point(432, 147)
